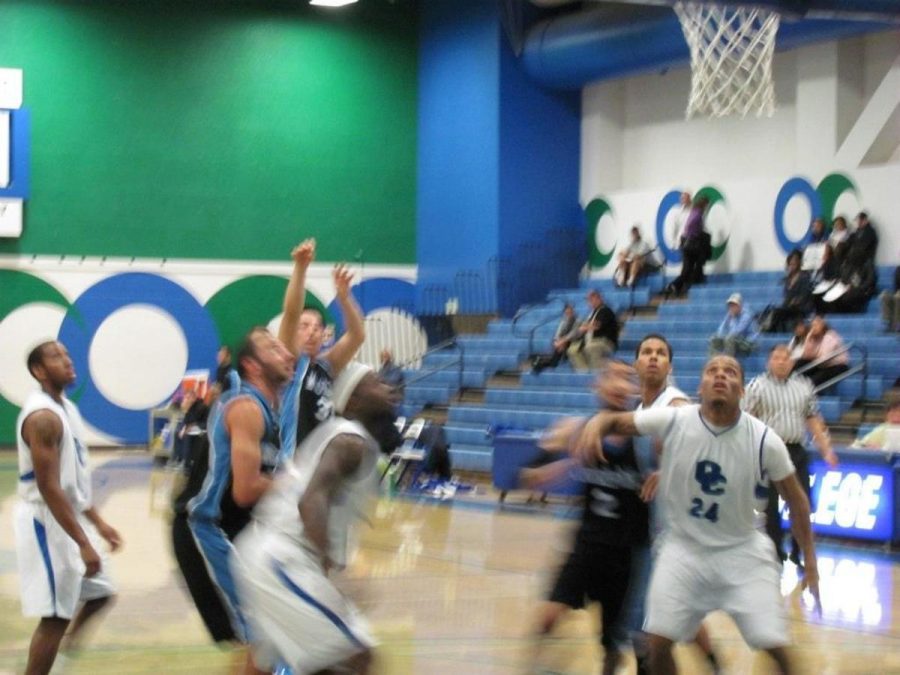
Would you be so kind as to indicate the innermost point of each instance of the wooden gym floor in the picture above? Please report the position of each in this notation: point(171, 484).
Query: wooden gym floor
point(450, 588)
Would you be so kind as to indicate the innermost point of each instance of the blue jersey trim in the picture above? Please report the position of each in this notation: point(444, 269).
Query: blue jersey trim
point(308, 599)
point(40, 532)
point(725, 430)
point(27, 476)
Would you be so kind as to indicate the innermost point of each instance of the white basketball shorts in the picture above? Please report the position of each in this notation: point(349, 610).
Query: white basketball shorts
point(51, 571)
point(689, 581)
point(296, 615)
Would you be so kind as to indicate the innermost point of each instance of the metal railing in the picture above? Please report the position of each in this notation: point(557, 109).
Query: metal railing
point(861, 367)
point(451, 343)
point(527, 309)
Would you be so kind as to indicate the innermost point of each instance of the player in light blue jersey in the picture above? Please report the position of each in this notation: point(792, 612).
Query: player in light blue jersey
point(243, 453)
point(307, 401)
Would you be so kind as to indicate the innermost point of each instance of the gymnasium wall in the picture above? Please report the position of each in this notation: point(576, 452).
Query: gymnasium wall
point(832, 148)
point(175, 147)
point(134, 328)
point(218, 130)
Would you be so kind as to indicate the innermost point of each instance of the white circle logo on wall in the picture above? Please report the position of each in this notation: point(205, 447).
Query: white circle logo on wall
point(20, 331)
point(120, 355)
point(393, 329)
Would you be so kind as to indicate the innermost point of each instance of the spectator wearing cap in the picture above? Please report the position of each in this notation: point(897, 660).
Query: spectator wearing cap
point(736, 335)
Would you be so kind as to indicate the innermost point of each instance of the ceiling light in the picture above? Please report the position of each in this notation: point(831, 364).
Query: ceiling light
point(331, 3)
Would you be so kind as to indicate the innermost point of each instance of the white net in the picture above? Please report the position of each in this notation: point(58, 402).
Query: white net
point(731, 58)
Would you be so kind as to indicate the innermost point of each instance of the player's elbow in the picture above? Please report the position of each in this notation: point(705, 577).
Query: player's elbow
point(243, 496)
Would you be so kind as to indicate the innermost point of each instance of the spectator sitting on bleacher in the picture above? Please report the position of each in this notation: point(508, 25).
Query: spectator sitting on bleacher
point(814, 251)
point(801, 330)
point(821, 341)
point(885, 436)
point(565, 333)
point(798, 302)
point(632, 259)
point(596, 338)
point(736, 335)
point(890, 304)
point(839, 235)
point(858, 280)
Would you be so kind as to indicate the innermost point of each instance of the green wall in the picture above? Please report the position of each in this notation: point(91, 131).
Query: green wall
point(217, 129)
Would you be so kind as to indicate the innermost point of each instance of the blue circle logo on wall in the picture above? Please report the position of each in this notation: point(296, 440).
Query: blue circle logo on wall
point(821, 201)
point(669, 201)
point(95, 305)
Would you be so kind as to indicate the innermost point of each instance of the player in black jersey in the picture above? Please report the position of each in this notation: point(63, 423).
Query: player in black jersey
point(615, 520)
point(307, 400)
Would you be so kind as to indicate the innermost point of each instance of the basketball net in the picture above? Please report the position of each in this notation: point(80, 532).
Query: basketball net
point(731, 59)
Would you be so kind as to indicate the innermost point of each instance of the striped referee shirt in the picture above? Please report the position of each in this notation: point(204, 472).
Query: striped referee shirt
point(784, 405)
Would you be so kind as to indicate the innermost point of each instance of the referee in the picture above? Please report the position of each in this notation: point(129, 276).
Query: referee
point(788, 404)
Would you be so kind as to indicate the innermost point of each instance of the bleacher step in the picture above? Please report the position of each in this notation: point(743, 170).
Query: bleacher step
point(473, 396)
point(505, 380)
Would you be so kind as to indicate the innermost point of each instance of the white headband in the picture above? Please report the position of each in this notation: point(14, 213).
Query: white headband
point(346, 383)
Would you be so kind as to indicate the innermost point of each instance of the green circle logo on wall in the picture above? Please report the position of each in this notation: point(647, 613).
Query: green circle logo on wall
point(593, 212)
point(830, 190)
point(715, 197)
point(251, 301)
point(22, 292)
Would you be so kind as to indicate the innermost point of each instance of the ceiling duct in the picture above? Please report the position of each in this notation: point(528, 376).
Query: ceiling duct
point(609, 41)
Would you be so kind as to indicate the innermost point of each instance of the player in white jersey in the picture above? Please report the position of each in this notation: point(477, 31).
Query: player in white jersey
point(58, 530)
point(300, 529)
point(715, 460)
point(653, 363)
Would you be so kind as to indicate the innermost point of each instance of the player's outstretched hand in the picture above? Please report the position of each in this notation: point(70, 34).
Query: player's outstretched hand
point(111, 535)
point(590, 443)
point(91, 560)
point(562, 434)
point(343, 277)
point(811, 583)
point(304, 252)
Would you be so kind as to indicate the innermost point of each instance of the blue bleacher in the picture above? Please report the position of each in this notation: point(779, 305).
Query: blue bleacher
point(543, 398)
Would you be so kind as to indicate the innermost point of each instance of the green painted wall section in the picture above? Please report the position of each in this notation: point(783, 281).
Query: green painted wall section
point(251, 301)
point(217, 129)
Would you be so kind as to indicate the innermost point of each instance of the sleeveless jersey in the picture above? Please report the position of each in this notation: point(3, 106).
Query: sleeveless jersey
point(277, 510)
point(710, 477)
point(215, 502)
point(74, 472)
point(306, 402)
point(613, 511)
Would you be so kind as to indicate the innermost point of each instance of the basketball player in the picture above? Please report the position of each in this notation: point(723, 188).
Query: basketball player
point(300, 531)
point(58, 531)
point(715, 459)
point(653, 363)
point(243, 453)
point(307, 401)
point(614, 520)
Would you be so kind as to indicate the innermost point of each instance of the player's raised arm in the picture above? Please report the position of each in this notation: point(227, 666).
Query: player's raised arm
point(354, 327)
point(295, 295)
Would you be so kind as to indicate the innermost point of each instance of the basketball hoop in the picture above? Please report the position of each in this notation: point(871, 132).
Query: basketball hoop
point(731, 58)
